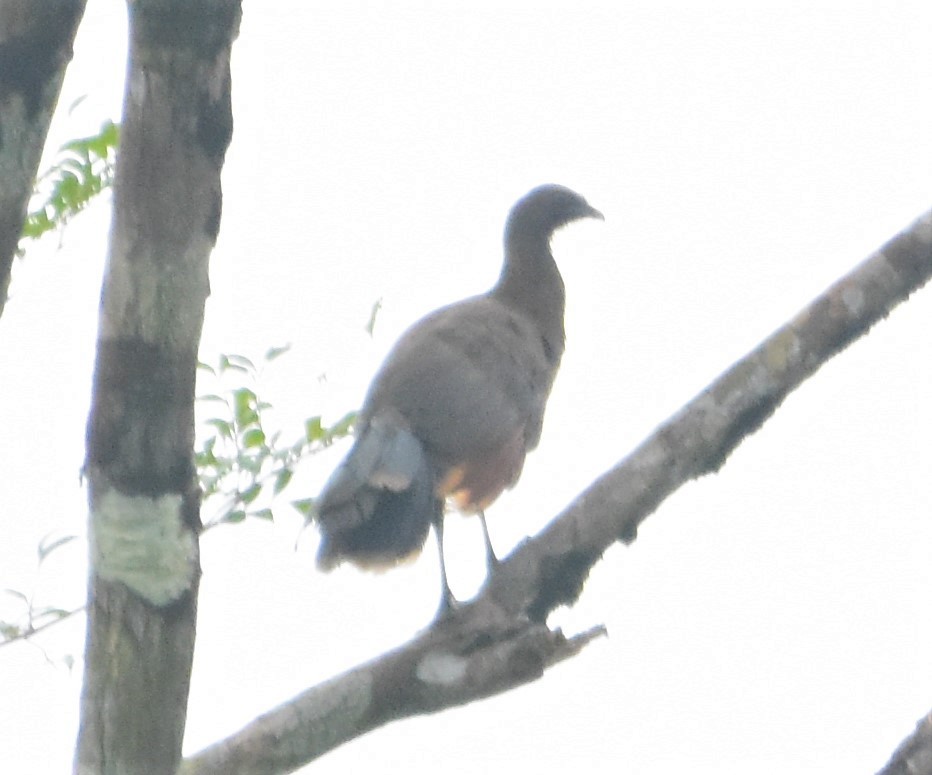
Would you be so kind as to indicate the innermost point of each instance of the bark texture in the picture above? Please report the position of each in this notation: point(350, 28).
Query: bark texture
point(36, 38)
point(500, 639)
point(914, 754)
point(143, 495)
point(472, 655)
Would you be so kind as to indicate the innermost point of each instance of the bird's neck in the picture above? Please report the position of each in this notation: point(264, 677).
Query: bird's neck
point(531, 283)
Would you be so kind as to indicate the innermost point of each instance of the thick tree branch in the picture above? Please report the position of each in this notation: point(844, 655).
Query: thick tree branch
point(36, 37)
point(456, 661)
point(499, 640)
point(914, 755)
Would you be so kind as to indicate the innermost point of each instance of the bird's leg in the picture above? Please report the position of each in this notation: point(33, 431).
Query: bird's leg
point(447, 601)
point(491, 561)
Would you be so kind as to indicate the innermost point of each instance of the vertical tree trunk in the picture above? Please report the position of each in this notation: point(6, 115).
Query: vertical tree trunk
point(143, 494)
point(35, 48)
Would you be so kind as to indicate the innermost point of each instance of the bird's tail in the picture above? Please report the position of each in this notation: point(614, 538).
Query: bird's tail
point(377, 507)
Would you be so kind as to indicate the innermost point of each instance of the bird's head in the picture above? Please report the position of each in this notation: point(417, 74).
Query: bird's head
point(544, 210)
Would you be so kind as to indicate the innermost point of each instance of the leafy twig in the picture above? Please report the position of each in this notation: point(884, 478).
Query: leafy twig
point(84, 169)
point(240, 461)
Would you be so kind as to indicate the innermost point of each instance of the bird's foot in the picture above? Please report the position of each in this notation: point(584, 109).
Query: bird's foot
point(448, 606)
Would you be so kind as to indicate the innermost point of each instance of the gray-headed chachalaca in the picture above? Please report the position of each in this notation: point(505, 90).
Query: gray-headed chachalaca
point(457, 404)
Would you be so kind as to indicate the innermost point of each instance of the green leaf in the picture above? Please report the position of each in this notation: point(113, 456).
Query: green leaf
point(253, 438)
point(37, 224)
point(343, 426)
point(305, 506)
point(46, 547)
point(224, 428)
point(250, 493)
point(9, 631)
point(313, 429)
point(244, 401)
point(274, 352)
point(68, 188)
point(79, 167)
point(237, 515)
point(240, 362)
point(282, 479)
point(50, 612)
point(97, 145)
point(108, 139)
point(228, 363)
point(110, 134)
point(265, 514)
point(76, 103)
point(373, 314)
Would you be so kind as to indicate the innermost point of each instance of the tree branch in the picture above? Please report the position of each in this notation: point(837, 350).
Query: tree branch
point(550, 569)
point(499, 640)
point(456, 661)
point(31, 630)
point(914, 754)
point(35, 48)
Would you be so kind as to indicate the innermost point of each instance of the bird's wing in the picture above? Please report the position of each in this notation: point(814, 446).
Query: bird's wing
point(379, 503)
point(385, 457)
point(467, 379)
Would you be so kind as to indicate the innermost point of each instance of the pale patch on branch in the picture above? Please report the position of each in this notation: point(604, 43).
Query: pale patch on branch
point(143, 543)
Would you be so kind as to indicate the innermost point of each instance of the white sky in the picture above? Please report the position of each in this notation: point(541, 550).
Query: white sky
point(772, 618)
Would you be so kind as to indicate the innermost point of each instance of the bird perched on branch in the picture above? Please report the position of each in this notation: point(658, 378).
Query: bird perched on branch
point(456, 406)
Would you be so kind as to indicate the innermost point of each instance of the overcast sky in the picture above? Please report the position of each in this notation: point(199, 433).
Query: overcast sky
point(770, 619)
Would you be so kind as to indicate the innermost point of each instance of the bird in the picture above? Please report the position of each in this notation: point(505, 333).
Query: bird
point(456, 406)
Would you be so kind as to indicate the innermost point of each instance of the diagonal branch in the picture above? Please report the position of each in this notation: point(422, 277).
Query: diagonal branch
point(914, 754)
point(35, 48)
point(499, 640)
point(461, 659)
point(550, 570)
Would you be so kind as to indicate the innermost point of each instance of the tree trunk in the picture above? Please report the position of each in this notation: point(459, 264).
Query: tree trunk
point(35, 48)
point(143, 495)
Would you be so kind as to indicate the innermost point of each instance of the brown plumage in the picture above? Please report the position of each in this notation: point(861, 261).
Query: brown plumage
point(456, 405)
